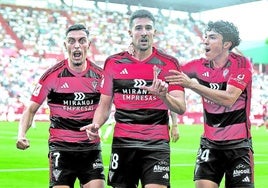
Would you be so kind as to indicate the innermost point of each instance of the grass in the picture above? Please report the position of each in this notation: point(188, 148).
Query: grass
point(29, 168)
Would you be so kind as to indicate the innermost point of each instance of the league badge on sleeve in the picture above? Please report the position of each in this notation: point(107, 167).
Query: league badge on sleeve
point(37, 90)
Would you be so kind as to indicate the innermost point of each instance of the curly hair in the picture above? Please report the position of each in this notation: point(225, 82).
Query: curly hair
point(228, 31)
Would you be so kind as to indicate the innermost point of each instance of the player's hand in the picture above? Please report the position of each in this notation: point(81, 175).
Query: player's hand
point(91, 130)
point(23, 143)
point(175, 133)
point(179, 78)
point(159, 87)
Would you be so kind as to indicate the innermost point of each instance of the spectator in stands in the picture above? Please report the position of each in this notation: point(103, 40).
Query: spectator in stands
point(140, 149)
point(224, 82)
point(72, 91)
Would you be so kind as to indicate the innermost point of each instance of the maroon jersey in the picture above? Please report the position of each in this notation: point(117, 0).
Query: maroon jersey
point(140, 116)
point(72, 98)
point(225, 124)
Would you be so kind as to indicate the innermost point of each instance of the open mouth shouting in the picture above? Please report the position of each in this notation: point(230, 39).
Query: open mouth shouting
point(77, 55)
point(207, 49)
point(144, 41)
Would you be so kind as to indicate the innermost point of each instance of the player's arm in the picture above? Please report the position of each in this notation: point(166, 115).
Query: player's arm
point(174, 119)
point(175, 100)
point(25, 123)
point(103, 110)
point(174, 126)
point(100, 117)
point(222, 97)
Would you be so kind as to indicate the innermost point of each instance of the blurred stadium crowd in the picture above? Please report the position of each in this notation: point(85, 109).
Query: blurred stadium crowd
point(31, 40)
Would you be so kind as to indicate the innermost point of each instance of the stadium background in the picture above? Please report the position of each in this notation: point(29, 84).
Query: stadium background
point(32, 33)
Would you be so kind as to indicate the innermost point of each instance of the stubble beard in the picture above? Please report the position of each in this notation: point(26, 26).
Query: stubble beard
point(77, 64)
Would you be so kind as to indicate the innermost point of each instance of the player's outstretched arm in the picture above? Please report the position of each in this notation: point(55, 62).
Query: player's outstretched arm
point(24, 125)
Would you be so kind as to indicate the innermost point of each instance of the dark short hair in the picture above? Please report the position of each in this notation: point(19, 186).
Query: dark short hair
point(141, 14)
point(77, 27)
point(228, 31)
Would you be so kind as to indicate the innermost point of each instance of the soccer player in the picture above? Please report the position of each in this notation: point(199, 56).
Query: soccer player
point(142, 99)
point(72, 91)
point(224, 82)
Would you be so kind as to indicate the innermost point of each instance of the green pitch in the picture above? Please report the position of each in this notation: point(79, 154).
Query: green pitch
point(29, 168)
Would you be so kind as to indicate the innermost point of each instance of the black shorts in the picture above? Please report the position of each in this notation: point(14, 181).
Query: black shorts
point(235, 164)
point(66, 166)
point(129, 165)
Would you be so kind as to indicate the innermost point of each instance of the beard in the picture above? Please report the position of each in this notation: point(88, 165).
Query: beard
point(144, 49)
point(77, 64)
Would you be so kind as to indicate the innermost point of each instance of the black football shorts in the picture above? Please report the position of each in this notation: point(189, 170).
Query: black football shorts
point(66, 166)
point(235, 164)
point(128, 166)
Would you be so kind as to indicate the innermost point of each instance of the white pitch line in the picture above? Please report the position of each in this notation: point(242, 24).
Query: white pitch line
point(23, 169)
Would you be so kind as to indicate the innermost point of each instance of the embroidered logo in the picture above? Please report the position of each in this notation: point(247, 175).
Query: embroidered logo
point(124, 71)
point(206, 74)
point(64, 86)
point(166, 176)
point(56, 174)
point(225, 72)
point(214, 86)
point(94, 84)
point(79, 96)
point(111, 174)
point(246, 179)
point(139, 83)
point(37, 89)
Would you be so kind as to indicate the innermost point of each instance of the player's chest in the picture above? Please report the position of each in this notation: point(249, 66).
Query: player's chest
point(138, 71)
point(215, 74)
point(76, 84)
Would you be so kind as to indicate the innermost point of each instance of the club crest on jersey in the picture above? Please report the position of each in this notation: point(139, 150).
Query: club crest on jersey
point(94, 84)
point(102, 82)
point(225, 72)
point(157, 70)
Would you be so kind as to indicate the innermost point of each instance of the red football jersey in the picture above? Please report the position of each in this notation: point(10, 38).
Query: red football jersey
point(72, 99)
point(222, 123)
point(139, 115)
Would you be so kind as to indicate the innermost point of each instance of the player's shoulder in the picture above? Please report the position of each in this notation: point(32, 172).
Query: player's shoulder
point(58, 66)
point(118, 55)
point(119, 58)
point(199, 62)
point(165, 55)
point(94, 66)
point(239, 60)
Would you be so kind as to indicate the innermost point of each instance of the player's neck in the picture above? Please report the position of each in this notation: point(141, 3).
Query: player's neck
point(78, 68)
point(142, 55)
point(220, 61)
